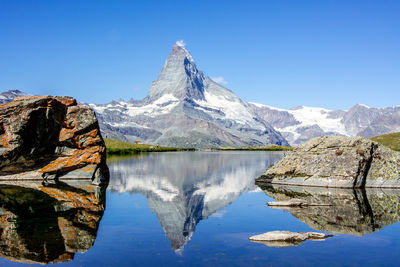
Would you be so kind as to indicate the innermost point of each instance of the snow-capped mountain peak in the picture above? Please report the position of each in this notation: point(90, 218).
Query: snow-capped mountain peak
point(185, 108)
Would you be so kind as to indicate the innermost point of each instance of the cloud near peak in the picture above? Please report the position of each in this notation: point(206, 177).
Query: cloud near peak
point(220, 80)
point(180, 43)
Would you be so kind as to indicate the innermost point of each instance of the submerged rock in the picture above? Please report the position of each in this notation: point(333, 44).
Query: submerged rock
point(286, 238)
point(50, 137)
point(335, 161)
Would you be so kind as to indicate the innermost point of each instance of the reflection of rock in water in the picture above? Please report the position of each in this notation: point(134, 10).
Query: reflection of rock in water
point(353, 212)
point(43, 224)
point(185, 188)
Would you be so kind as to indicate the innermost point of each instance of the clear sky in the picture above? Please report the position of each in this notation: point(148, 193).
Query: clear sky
point(283, 53)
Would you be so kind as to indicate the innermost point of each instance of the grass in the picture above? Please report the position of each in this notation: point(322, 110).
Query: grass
point(391, 140)
point(115, 147)
point(257, 148)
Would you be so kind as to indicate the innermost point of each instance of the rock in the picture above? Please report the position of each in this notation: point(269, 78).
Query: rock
point(335, 161)
point(51, 138)
point(294, 202)
point(48, 222)
point(286, 238)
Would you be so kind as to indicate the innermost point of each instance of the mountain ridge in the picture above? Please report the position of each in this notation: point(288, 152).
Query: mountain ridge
point(302, 123)
point(283, 119)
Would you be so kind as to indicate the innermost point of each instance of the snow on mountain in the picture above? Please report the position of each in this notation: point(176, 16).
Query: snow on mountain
point(299, 124)
point(8, 96)
point(186, 108)
point(308, 116)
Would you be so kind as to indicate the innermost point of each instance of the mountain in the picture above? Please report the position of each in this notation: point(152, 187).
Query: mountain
point(8, 96)
point(301, 123)
point(185, 108)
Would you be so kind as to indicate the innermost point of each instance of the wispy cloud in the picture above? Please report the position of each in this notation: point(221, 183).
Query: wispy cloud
point(219, 214)
point(181, 43)
point(220, 80)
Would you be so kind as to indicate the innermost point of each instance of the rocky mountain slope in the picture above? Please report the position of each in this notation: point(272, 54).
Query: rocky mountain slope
point(185, 108)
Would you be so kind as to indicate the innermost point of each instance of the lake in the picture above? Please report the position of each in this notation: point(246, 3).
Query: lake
point(193, 209)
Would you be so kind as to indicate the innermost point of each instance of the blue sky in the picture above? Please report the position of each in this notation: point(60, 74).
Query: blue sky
point(282, 53)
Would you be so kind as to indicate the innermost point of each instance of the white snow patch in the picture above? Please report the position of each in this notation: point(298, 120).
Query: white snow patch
point(159, 107)
point(233, 108)
point(309, 116)
point(365, 106)
point(165, 98)
point(266, 106)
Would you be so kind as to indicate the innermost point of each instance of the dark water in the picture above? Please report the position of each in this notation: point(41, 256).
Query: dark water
point(193, 209)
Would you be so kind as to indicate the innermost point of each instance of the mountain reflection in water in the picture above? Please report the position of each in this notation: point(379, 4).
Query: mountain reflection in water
point(354, 212)
point(187, 187)
point(48, 223)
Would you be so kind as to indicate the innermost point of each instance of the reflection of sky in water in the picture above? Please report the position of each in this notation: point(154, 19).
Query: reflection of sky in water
point(132, 230)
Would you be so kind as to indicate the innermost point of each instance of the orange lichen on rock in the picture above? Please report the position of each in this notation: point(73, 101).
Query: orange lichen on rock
point(3, 140)
point(78, 159)
point(67, 101)
point(66, 134)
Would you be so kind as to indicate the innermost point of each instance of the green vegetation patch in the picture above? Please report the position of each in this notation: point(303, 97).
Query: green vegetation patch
point(391, 140)
point(257, 148)
point(115, 147)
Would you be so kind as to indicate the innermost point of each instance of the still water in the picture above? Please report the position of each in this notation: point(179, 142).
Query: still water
point(192, 209)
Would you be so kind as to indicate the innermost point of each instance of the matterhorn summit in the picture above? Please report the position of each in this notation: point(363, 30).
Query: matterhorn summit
point(179, 76)
point(185, 108)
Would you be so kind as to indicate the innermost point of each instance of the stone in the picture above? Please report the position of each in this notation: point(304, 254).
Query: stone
point(46, 137)
point(286, 238)
point(337, 161)
point(294, 202)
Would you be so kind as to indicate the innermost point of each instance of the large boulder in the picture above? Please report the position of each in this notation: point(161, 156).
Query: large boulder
point(335, 161)
point(51, 138)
